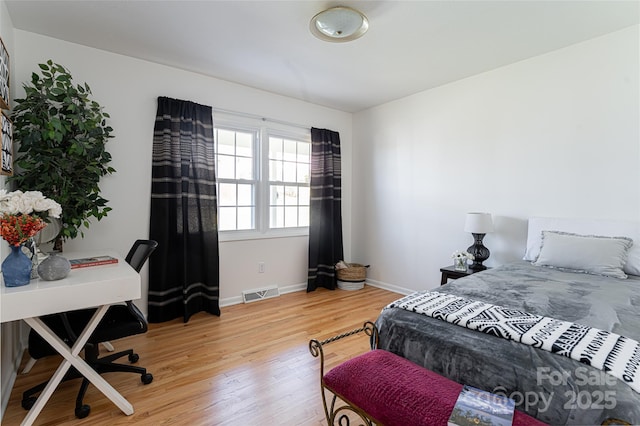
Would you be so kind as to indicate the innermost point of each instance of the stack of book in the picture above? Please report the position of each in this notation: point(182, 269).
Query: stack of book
point(92, 261)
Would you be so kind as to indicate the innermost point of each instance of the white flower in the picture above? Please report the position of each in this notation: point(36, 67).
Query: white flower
point(24, 202)
point(18, 202)
point(40, 203)
point(54, 210)
point(462, 255)
point(11, 203)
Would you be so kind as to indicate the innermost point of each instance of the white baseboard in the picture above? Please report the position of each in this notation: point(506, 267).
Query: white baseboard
point(293, 288)
point(228, 301)
point(389, 287)
point(236, 300)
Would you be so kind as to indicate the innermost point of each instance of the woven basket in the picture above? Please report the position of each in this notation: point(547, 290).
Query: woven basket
point(354, 273)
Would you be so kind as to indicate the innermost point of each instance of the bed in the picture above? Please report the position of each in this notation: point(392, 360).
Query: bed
point(555, 389)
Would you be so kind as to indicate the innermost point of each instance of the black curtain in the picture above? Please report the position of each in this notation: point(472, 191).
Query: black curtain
point(325, 221)
point(184, 269)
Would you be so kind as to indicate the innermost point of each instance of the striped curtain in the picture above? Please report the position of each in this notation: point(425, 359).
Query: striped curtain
point(325, 221)
point(184, 269)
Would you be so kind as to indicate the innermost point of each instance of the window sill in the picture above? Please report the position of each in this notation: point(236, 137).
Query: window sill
point(225, 236)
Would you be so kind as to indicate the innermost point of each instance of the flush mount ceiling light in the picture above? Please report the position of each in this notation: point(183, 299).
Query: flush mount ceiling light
point(339, 24)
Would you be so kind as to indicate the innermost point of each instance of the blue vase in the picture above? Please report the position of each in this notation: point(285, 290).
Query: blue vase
point(16, 268)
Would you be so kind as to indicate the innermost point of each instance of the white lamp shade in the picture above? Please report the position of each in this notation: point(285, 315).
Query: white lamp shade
point(478, 223)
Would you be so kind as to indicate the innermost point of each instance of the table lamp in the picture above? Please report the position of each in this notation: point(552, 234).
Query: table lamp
point(478, 224)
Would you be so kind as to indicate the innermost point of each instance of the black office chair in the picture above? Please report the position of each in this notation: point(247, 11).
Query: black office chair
point(119, 321)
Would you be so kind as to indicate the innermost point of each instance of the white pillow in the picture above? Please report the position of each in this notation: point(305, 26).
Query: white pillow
point(608, 228)
point(591, 254)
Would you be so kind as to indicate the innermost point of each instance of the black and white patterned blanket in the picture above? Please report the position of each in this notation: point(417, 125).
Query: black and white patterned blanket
point(609, 352)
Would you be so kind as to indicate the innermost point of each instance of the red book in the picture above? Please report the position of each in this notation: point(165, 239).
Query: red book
point(92, 261)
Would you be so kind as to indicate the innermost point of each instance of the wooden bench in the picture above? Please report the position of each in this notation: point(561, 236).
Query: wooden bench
point(382, 388)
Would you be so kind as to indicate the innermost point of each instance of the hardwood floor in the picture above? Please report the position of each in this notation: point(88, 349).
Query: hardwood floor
point(250, 366)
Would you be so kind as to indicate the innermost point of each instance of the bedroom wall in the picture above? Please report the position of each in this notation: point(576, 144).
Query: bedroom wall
point(128, 89)
point(555, 135)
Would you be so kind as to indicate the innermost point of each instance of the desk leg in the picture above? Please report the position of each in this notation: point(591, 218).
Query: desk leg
point(46, 393)
point(71, 358)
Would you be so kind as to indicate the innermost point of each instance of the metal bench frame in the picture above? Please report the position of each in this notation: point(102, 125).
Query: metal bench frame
point(334, 411)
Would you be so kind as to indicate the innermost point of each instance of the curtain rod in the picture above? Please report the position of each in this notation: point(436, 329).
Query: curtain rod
point(261, 118)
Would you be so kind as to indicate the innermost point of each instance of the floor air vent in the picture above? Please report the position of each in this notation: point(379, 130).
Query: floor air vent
point(261, 294)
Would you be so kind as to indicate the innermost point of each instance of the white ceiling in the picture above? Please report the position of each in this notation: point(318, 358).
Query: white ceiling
point(411, 45)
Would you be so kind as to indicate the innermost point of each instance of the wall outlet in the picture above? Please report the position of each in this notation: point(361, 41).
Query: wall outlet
point(261, 267)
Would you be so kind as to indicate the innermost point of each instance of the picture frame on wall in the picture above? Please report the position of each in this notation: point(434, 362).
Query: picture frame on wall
point(7, 145)
point(4, 76)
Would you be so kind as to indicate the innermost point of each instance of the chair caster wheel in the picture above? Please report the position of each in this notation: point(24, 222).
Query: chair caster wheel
point(133, 358)
point(82, 412)
point(27, 403)
point(146, 378)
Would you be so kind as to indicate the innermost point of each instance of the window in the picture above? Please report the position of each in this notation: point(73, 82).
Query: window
point(289, 176)
point(263, 173)
point(236, 171)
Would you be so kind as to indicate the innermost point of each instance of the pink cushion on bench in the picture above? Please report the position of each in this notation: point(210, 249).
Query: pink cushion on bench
point(396, 392)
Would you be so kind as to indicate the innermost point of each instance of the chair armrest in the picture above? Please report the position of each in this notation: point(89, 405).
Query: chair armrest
point(137, 313)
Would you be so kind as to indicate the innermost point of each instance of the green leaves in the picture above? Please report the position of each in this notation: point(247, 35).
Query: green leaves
point(62, 134)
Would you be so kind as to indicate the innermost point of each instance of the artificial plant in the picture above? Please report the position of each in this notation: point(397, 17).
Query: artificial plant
point(61, 133)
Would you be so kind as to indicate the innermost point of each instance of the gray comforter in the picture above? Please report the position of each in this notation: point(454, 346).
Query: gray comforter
point(555, 389)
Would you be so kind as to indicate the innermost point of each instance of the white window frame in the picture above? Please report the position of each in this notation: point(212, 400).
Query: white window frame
point(263, 130)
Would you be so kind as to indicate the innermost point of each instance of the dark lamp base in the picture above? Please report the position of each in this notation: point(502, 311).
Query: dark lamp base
point(478, 267)
point(480, 253)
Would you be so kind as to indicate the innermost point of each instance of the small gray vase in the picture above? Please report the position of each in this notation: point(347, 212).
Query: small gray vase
point(54, 267)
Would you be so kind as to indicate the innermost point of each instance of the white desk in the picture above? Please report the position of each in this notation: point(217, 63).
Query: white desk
point(95, 286)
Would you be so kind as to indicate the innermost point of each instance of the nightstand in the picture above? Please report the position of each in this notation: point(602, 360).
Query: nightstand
point(451, 272)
